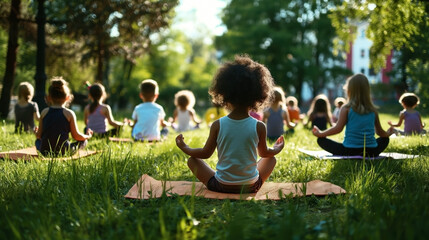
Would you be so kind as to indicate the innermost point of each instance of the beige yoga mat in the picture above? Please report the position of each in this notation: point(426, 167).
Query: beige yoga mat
point(148, 187)
point(31, 153)
point(322, 154)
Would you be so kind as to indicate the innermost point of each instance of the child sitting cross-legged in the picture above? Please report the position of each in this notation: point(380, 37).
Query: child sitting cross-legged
point(149, 116)
point(26, 110)
point(184, 112)
point(240, 86)
point(412, 120)
point(97, 114)
point(57, 121)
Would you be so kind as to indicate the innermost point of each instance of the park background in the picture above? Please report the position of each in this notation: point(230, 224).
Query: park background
point(119, 43)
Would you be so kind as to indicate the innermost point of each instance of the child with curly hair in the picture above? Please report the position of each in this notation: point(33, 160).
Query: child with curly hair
point(184, 112)
point(412, 120)
point(57, 121)
point(241, 85)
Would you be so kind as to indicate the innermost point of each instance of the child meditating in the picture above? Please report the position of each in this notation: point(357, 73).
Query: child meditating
point(25, 110)
point(184, 112)
point(361, 120)
point(276, 116)
point(148, 116)
point(319, 114)
point(97, 114)
point(412, 120)
point(57, 121)
point(293, 109)
point(240, 86)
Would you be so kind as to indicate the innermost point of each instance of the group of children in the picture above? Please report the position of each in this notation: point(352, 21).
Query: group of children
point(243, 87)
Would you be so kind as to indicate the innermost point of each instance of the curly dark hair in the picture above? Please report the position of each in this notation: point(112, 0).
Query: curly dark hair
point(409, 99)
point(242, 83)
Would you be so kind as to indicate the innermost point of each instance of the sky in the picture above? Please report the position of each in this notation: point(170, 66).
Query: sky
point(195, 17)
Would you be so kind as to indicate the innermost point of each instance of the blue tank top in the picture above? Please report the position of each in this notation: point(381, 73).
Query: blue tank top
point(55, 135)
point(237, 143)
point(359, 129)
point(275, 124)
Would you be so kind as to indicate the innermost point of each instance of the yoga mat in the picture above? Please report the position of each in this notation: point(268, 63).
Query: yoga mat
point(148, 187)
point(115, 139)
point(32, 153)
point(322, 154)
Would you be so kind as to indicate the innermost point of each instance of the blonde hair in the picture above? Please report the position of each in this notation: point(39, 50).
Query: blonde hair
point(25, 91)
point(339, 100)
point(278, 95)
point(293, 100)
point(184, 98)
point(359, 94)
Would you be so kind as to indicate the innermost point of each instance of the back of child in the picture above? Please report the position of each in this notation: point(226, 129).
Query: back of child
point(361, 120)
point(25, 110)
point(277, 115)
point(148, 116)
point(338, 102)
point(293, 109)
point(98, 115)
point(57, 121)
point(184, 101)
point(320, 112)
point(241, 86)
point(412, 120)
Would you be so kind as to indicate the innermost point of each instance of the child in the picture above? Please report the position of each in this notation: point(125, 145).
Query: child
point(97, 114)
point(241, 85)
point(25, 110)
point(276, 115)
point(184, 112)
point(361, 119)
point(293, 109)
point(320, 112)
point(411, 118)
point(214, 113)
point(56, 122)
point(148, 116)
point(338, 102)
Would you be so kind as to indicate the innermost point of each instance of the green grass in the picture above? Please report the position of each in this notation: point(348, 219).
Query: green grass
point(83, 199)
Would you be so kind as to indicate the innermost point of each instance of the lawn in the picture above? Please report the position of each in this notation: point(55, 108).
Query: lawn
point(83, 199)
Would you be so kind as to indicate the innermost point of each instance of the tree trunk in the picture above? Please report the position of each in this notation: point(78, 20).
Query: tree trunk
point(40, 76)
point(100, 61)
point(12, 50)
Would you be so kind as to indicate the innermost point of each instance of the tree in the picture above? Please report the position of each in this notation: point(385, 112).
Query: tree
point(392, 25)
point(292, 38)
point(110, 28)
point(12, 48)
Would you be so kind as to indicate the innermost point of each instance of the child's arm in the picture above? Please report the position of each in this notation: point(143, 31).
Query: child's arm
point(107, 112)
point(193, 116)
point(208, 148)
point(265, 116)
point(337, 128)
point(422, 124)
point(286, 118)
point(379, 130)
point(263, 149)
point(85, 115)
point(73, 127)
point(329, 120)
point(399, 123)
point(36, 114)
point(40, 128)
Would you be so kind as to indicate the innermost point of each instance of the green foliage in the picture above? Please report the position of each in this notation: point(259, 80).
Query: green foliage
point(83, 199)
point(392, 25)
point(292, 38)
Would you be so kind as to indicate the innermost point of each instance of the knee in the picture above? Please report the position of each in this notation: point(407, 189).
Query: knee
point(192, 162)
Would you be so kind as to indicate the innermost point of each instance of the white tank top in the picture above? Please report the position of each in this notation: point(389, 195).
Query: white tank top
point(184, 120)
point(237, 143)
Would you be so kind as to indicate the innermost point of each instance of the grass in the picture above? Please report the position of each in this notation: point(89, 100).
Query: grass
point(83, 199)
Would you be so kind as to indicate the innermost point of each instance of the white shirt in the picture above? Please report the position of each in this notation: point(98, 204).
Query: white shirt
point(148, 116)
